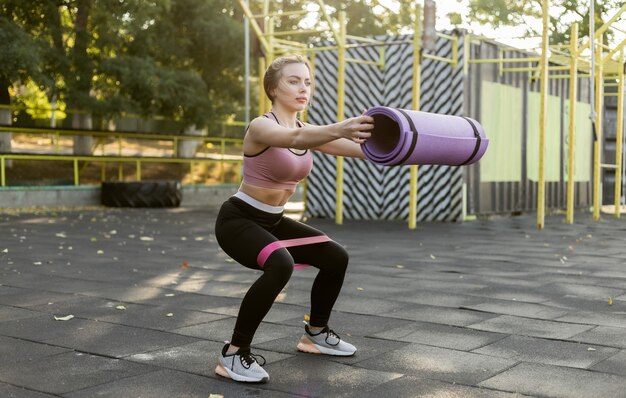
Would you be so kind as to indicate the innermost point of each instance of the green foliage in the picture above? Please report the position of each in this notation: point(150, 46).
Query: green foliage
point(180, 59)
point(562, 14)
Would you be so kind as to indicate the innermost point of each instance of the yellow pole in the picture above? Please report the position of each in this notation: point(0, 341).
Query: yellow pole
point(341, 86)
point(76, 181)
point(543, 115)
point(138, 166)
point(573, 86)
point(262, 97)
point(223, 150)
point(597, 145)
point(2, 172)
point(618, 136)
point(269, 57)
point(415, 104)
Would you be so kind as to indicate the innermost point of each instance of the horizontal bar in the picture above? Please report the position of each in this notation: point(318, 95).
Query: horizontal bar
point(296, 32)
point(608, 166)
point(290, 42)
point(129, 159)
point(503, 60)
point(436, 58)
point(445, 36)
point(116, 134)
point(281, 13)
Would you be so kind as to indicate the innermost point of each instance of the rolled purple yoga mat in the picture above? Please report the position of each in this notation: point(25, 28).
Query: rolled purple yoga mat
point(402, 137)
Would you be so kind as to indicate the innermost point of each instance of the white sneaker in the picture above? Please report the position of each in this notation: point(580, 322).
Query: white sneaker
point(325, 342)
point(241, 366)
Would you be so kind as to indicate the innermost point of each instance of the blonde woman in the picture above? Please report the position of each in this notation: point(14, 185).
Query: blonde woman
point(251, 227)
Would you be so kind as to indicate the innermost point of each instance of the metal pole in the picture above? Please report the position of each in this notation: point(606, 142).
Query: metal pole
point(2, 172)
point(415, 104)
point(341, 86)
point(597, 145)
point(543, 115)
point(619, 135)
point(262, 97)
point(573, 85)
point(246, 77)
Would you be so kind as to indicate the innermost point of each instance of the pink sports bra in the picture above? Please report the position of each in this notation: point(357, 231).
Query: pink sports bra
point(277, 168)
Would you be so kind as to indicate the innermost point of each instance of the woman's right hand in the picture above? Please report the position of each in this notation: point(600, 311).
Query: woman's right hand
point(356, 129)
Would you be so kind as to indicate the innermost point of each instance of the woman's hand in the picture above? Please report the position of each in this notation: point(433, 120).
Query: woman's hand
point(356, 128)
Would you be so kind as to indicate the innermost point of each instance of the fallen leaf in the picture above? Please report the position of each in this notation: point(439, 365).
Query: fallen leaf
point(360, 289)
point(216, 396)
point(170, 295)
point(610, 300)
point(199, 238)
point(120, 307)
point(100, 252)
point(61, 235)
point(169, 314)
point(433, 257)
point(183, 238)
point(146, 238)
point(5, 251)
point(63, 318)
point(93, 239)
point(37, 263)
point(399, 266)
point(591, 349)
point(184, 265)
point(306, 317)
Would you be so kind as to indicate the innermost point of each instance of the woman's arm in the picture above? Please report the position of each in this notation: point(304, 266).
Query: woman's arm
point(342, 147)
point(266, 132)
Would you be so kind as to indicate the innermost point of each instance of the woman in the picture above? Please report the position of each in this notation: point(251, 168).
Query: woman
point(250, 226)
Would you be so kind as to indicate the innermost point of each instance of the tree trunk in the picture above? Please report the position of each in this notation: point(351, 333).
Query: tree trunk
point(81, 85)
point(5, 119)
point(82, 143)
point(188, 148)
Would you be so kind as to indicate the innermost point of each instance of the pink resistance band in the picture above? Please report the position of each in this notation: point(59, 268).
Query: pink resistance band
point(269, 249)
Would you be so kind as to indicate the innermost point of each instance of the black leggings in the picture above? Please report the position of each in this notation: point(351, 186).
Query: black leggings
point(242, 231)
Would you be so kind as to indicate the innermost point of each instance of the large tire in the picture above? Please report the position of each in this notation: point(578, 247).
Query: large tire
point(142, 194)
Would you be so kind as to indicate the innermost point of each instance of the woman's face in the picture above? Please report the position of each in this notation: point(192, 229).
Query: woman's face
point(294, 88)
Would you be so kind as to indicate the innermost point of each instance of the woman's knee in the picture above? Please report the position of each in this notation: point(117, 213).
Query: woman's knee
point(280, 265)
point(337, 256)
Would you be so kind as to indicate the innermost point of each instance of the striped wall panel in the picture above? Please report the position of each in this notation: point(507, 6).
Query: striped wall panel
point(372, 191)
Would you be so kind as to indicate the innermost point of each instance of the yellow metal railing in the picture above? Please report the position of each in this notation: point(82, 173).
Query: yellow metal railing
point(119, 136)
point(138, 161)
point(220, 156)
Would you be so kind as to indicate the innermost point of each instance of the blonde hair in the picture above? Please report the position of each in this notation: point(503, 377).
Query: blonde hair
point(274, 72)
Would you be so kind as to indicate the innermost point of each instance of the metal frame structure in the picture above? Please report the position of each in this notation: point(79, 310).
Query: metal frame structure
point(600, 65)
point(273, 45)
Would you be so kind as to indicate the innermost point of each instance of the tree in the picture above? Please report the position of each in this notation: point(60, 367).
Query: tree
point(20, 58)
point(107, 57)
point(518, 12)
